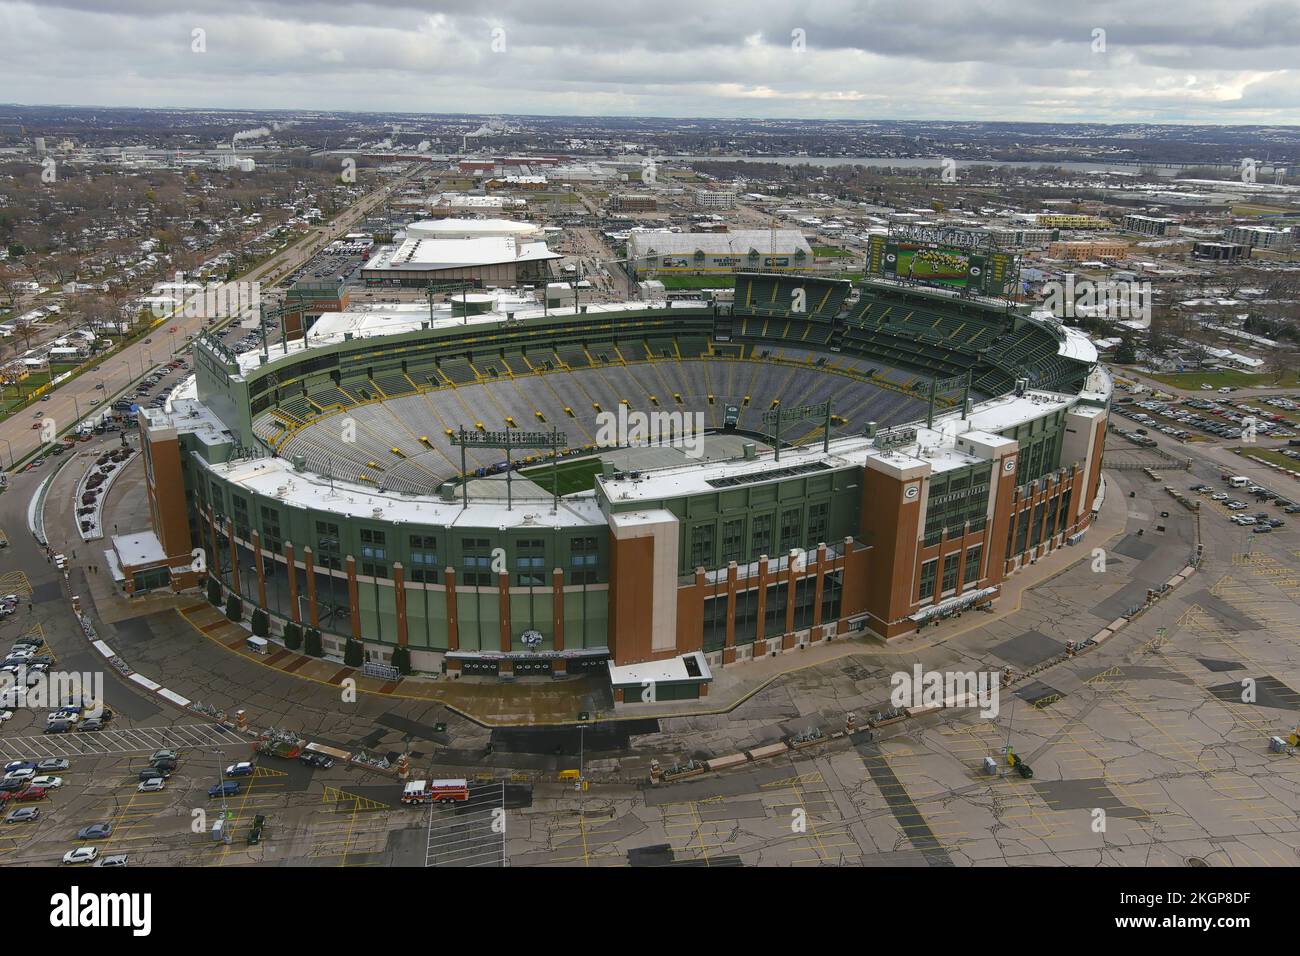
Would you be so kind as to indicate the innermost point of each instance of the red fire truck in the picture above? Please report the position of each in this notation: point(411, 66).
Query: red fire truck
point(436, 791)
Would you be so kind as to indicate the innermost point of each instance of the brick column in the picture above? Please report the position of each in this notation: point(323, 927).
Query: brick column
point(261, 569)
point(353, 596)
point(294, 615)
point(729, 651)
point(313, 614)
point(234, 559)
point(789, 596)
point(214, 553)
point(503, 609)
point(761, 612)
point(961, 559)
point(453, 631)
point(819, 569)
point(399, 601)
point(559, 666)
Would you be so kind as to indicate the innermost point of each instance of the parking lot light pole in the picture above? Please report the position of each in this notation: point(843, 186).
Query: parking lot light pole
point(11, 452)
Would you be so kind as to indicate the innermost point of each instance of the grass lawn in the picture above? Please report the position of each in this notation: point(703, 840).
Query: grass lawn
point(1194, 380)
point(725, 281)
point(1276, 457)
point(832, 252)
point(574, 476)
point(1255, 210)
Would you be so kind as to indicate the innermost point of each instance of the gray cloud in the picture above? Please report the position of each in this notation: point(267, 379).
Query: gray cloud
point(1164, 61)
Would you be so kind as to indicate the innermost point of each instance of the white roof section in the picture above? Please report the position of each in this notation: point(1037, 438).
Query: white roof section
point(379, 319)
point(469, 229)
point(143, 547)
point(276, 478)
point(936, 447)
point(672, 670)
point(1078, 346)
point(417, 254)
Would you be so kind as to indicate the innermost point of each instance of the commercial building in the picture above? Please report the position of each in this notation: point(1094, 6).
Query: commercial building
point(633, 202)
point(1261, 237)
point(1056, 220)
point(706, 197)
point(1088, 250)
point(702, 253)
point(506, 256)
point(1159, 226)
point(1220, 251)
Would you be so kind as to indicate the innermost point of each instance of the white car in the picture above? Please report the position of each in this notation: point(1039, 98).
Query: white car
point(47, 781)
point(152, 785)
point(6, 715)
point(62, 715)
point(23, 773)
point(82, 854)
point(1219, 496)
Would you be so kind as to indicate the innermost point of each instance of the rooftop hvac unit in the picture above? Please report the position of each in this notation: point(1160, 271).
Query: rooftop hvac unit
point(607, 469)
point(871, 429)
point(377, 513)
point(447, 491)
point(299, 462)
point(749, 451)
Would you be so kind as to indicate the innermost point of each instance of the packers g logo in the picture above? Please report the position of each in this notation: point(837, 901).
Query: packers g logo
point(1009, 465)
point(911, 492)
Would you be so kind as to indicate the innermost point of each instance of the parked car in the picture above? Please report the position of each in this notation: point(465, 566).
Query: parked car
point(241, 769)
point(152, 785)
point(164, 755)
point(152, 773)
point(51, 764)
point(31, 793)
point(23, 815)
point(82, 854)
point(96, 831)
point(47, 781)
point(58, 727)
point(313, 759)
point(229, 789)
point(113, 859)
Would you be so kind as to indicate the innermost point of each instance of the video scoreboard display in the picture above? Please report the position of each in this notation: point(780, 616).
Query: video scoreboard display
point(943, 264)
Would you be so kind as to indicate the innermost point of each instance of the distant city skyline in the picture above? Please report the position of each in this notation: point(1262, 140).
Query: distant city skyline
point(1192, 62)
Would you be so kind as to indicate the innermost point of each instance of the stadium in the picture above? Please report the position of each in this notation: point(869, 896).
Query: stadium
point(835, 458)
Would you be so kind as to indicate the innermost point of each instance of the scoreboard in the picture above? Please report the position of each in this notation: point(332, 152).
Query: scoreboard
point(931, 263)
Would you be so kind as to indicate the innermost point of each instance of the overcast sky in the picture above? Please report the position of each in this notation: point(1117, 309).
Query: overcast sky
point(1229, 61)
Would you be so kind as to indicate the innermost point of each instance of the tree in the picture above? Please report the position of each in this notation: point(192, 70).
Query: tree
point(1125, 353)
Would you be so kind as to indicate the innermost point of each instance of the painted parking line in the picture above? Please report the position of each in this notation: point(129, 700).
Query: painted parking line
point(133, 740)
point(470, 833)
